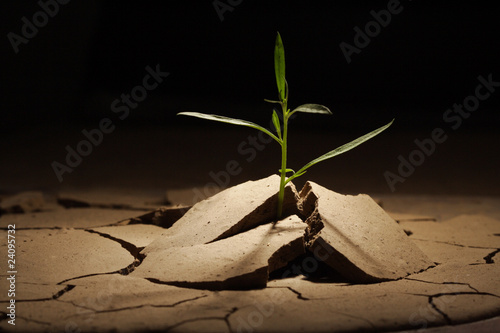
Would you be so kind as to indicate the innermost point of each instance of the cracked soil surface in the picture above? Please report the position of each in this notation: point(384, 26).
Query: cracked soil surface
point(74, 259)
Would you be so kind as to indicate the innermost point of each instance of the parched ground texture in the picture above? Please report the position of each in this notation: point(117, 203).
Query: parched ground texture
point(75, 257)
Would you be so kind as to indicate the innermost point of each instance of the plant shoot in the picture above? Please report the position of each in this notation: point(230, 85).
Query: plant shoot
point(281, 127)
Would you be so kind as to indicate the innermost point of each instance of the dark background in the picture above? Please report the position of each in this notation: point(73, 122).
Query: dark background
point(66, 77)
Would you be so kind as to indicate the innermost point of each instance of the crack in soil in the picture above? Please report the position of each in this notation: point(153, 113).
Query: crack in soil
point(442, 313)
point(163, 217)
point(459, 293)
point(408, 232)
point(63, 291)
point(124, 271)
point(145, 305)
point(489, 257)
point(464, 284)
point(471, 293)
point(93, 312)
point(55, 296)
point(131, 248)
point(205, 285)
point(422, 270)
point(301, 297)
point(299, 294)
point(89, 275)
point(457, 283)
point(434, 306)
point(356, 317)
point(76, 306)
point(459, 245)
point(3, 317)
point(409, 274)
point(225, 318)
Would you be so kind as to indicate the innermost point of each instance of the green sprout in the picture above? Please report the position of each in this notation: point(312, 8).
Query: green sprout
point(282, 129)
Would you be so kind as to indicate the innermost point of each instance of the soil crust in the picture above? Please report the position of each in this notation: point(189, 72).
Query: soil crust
point(227, 265)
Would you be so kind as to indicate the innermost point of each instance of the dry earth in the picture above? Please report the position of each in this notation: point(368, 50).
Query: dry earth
point(79, 268)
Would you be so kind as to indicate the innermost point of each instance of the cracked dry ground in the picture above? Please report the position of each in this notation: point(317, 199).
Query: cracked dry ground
point(75, 254)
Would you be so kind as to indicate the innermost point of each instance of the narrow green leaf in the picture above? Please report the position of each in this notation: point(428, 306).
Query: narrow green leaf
point(312, 108)
point(341, 149)
point(276, 122)
point(295, 175)
point(271, 101)
point(287, 170)
point(233, 121)
point(279, 66)
point(298, 174)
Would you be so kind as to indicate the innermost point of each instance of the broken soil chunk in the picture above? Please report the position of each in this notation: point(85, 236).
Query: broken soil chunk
point(243, 261)
point(356, 237)
point(24, 202)
point(228, 213)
